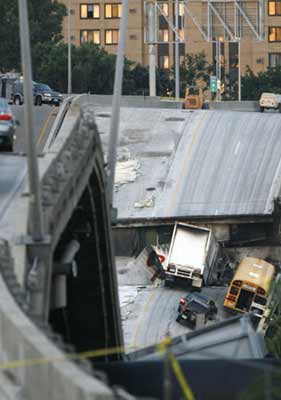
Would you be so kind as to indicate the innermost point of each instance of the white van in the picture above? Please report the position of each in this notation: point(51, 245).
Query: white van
point(270, 100)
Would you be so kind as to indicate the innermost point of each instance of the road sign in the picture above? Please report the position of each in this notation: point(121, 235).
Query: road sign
point(213, 84)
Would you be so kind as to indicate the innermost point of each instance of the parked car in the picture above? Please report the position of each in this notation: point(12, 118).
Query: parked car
point(270, 101)
point(7, 126)
point(193, 304)
point(43, 94)
point(17, 93)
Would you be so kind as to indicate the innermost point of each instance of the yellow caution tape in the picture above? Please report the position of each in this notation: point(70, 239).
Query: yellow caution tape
point(73, 356)
point(162, 347)
point(186, 389)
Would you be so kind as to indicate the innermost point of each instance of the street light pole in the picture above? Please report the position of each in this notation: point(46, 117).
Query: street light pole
point(239, 70)
point(38, 277)
point(115, 118)
point(36, 219)
point(218, 68)
point(69, 83)
point(150, 35)
point(177, 68)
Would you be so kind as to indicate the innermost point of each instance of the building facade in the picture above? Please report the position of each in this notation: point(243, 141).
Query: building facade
point(98, 21)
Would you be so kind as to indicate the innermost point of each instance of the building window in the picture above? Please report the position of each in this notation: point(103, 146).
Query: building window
point(182, 60)
point(164, 7)
point(113, 10)
point(163, 62)
point(274, 8)
point(181, 9)
point(274, 34)
point(181, 35)
point(90, 36)
point(163, 35)
point(274, 59)
point(89, 11)
point(112, 36)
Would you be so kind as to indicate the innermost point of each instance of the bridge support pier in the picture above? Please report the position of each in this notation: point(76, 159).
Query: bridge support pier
point(38, 279)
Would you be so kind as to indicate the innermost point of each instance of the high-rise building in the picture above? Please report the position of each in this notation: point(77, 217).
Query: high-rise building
point(98, 22)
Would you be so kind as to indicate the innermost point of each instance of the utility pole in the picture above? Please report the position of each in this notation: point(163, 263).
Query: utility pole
point(152, 70)
point(177, 68)
point(151, 39)
point(115, 118)
point(38, 277)
point(69, 82)
point(218, 69)
point(37, 231)
point(239, 70)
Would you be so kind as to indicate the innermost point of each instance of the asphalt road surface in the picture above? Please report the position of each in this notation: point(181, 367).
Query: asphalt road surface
point(149, 311)
point(13, 166)
point(43, 117)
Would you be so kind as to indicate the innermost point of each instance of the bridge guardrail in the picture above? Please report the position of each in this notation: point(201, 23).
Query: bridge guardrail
point(21, 337)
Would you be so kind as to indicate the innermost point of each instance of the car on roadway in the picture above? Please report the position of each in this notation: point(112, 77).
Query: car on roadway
point(270, 101)
point(17, 93)
point(7, 126)
point(43, 94)
point(193, 304)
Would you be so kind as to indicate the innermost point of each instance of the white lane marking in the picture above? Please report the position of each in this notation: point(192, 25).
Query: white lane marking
point(237, 148)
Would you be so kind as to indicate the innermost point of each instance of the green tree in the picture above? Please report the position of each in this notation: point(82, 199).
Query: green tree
point(194, 68)
point(45, 19)
point(139, 79)
point(164, 83)
point(266, 81)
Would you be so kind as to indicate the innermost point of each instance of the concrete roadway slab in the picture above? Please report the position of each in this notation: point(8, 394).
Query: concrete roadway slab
point(196, 163)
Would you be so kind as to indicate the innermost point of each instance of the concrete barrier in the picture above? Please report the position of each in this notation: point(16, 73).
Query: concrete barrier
point(136, 101)
point(245, 105)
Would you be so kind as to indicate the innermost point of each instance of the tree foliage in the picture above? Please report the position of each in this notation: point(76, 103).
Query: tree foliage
point(45, 20)
point(266, 81)
point(194, 69)
point(92, 67)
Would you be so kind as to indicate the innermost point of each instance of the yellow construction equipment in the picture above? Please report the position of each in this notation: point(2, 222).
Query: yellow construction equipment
point(193, 99)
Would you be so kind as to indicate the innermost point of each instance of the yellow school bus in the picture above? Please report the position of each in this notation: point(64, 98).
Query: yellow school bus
point(249, 289)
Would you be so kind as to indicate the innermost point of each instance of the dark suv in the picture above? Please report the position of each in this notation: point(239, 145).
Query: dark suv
point(193, 304)
point(43, 94)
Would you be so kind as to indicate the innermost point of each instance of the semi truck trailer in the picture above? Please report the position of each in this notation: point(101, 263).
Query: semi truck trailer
point(192, 255)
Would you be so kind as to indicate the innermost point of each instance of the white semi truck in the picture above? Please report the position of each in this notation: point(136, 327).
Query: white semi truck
point(192, 255)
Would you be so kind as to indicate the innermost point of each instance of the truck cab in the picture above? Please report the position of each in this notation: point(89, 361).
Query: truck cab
point(270, 101)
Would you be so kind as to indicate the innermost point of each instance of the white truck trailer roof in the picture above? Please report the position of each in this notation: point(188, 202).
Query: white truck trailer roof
point(188, 247)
